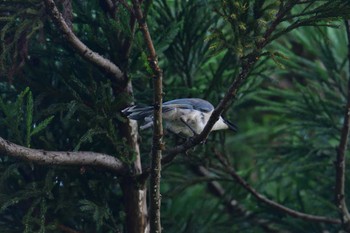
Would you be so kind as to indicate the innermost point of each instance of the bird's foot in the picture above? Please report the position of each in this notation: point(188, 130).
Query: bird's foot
point(203, 142)
point(192, 139)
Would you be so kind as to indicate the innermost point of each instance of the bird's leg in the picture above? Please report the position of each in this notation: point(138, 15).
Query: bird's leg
point(194, 132)
point(204, 141)
point(183, 121)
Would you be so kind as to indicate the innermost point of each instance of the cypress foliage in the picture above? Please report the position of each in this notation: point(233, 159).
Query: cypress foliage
point(290, 112)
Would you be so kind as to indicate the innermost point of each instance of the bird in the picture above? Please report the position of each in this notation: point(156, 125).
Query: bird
point(185, 117)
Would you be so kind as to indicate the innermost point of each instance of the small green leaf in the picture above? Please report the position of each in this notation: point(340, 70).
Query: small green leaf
point(42, 125)
point(88, 136)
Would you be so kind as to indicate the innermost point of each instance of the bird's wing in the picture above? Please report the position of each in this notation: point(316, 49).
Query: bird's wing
point(188, 103)
point(136, 112)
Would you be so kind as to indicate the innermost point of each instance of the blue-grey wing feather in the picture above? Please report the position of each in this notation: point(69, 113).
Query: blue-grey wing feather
point(189, 103)
point(138, 112)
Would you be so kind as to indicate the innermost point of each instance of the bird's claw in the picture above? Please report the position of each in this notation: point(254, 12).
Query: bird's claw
point(203, 142)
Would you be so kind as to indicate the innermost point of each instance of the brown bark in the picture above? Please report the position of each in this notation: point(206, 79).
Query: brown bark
point(134, 206)
point(79, 46)
point(308, 217)
point(134, 192)
point(247, 65)
point(341, 152)
point(69, 158)
point(232, 206)
point(157, 145)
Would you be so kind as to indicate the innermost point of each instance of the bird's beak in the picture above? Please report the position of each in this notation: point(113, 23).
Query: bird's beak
point(230, 125)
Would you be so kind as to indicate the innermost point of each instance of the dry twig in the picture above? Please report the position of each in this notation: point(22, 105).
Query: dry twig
point(341, 151)
point(308, 217)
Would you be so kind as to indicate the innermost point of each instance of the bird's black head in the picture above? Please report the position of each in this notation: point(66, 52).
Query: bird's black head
point(230, 125)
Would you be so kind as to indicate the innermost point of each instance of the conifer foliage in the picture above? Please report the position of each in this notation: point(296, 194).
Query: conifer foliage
point(71, 162)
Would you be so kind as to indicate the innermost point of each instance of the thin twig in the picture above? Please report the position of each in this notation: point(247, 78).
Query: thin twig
point(79, 46)
point(111, 8)
point(127, 44)
point(126, 5)
point(246, 67)
point(81, 158)
point(232, 206)
point(157, 145)
point(216, 189)
point(230, 95)
point(308, 217)
point(341, 151)
point(279, 18)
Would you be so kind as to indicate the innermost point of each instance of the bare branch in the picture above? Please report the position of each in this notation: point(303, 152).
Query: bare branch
point(62, 157)
point(230, 95)
point(126, 5)
point(247, 65)
point(265, 200)
point(232, 206)
point(67, 12)
point(134, 192)
point(341, 151)
point(224, 103)
point(110, 8)
point(216, 189)
point(79, 46)
point(157, 145)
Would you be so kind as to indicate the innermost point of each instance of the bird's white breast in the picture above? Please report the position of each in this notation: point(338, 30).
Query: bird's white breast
point(193, 118)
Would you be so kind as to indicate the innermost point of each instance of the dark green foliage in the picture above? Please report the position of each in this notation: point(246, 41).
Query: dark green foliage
point(20, 21)
point(18, 117)
point(289, 111)
point(61, 111)
point(39, 196)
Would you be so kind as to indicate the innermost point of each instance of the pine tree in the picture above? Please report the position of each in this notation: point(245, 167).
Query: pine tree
point(71, 162)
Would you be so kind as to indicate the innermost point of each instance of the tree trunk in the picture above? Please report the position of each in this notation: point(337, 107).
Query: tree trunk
point(134, 194)
point(135, 206)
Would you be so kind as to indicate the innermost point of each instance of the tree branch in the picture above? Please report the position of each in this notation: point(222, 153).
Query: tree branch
point(79, 46)
point(110, 8)
point(246, 67)
point(231, 205)
point(126, 5)
point(341, 151)
point(224, 103)
point(62, 157)
point(265, 200)
point(157, 145)
point(217, 190)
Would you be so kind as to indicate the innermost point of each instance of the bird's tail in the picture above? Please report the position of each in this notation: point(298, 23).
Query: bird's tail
point(137, 112)
point(230, 125)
